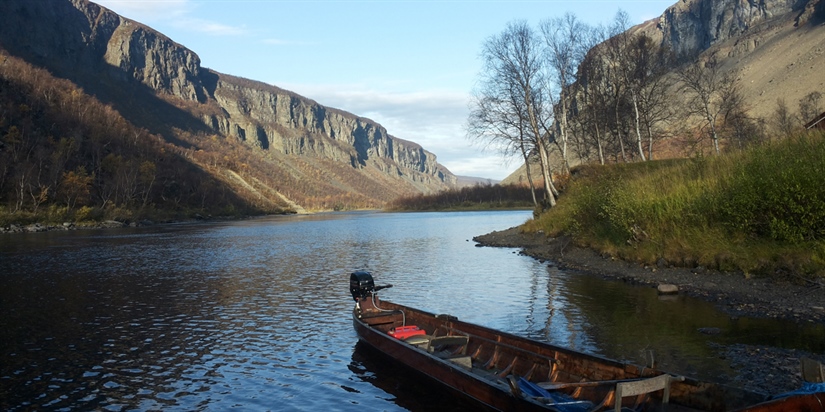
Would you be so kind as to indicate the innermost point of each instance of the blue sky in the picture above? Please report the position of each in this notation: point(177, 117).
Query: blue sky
point(409, 65)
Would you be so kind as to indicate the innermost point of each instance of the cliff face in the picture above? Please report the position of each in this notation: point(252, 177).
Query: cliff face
point(775, 46)
point(690, 27)
point(275, 119)
point(73, 37)
point(76, 35)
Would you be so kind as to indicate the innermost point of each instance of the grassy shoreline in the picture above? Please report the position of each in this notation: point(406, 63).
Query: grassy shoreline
point(759, 211)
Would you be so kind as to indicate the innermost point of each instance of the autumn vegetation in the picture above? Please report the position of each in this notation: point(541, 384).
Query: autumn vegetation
point(66, 156)
point(759, 211)
point(738, 193)
point(477, 197)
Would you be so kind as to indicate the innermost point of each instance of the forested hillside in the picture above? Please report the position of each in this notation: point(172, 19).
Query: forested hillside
point(64, 155)
point(105, 118)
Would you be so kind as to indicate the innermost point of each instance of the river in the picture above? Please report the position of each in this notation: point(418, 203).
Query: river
point(255, 314)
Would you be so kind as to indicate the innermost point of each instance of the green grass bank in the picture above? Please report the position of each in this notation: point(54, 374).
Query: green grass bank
point(759, 211)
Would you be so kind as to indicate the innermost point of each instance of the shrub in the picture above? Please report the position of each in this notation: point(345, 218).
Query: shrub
point(778, 192)
point(750, 211)
point(88, 214)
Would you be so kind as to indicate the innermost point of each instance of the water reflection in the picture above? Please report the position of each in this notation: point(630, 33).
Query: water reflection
point(411, 390)
point(256, 314)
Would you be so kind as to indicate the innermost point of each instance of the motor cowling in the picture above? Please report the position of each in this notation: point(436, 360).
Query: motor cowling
point(361, 285)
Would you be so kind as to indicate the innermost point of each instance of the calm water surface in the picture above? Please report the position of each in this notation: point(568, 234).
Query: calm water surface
point(255, 315)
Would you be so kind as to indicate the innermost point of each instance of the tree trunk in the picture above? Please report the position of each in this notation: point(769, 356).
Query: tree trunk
point(563, 127)
point(550, 190)
point(638, 130)
point(713, 134)
point(529, 175)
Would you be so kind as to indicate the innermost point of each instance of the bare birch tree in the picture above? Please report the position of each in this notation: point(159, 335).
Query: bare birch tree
point(594, 97)
point(710, 88)
point(563, 40)
point(650, 63)
point(513, 69)
point(498, 118)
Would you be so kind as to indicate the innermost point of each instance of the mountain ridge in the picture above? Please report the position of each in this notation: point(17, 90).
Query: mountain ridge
point(160, 85)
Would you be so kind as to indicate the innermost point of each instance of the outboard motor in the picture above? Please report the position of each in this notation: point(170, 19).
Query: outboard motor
point(362, 285)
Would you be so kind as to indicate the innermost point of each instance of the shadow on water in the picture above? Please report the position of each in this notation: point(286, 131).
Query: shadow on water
point(411, 389)
point(676, 333)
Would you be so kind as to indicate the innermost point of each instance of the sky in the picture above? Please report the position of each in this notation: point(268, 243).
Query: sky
point(410, 65)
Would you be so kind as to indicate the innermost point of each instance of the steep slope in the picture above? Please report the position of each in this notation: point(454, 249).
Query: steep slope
point(777, 48)
point(160, 85)
point(692, 26)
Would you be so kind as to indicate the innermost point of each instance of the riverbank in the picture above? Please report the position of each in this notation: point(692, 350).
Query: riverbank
point(765, 369)
point(117, 224)
point(734, 293)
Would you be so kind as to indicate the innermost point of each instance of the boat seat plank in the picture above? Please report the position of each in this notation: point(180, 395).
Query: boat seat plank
point(812, 371)
point(421, 341)
point(451, 348)
point(643, 387)
point(553, 386)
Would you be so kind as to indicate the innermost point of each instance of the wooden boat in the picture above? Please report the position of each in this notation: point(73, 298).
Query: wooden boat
point(509, 373)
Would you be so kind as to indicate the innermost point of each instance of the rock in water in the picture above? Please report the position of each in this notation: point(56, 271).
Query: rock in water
point(666, 289)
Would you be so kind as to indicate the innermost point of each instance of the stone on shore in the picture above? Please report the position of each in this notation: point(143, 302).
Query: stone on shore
point(667, 289)
point(111, 224)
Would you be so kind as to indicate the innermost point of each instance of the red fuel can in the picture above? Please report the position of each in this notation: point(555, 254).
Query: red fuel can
point(404, 332)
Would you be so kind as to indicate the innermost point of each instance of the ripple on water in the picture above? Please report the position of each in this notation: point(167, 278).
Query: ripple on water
point(256, 314)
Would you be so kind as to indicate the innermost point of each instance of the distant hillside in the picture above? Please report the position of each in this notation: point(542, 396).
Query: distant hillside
point(269, 148)
point(464, 181)
point(777, 47)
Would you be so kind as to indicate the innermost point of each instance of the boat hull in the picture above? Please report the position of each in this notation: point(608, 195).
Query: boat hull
point(444, 372)
point(499, 357)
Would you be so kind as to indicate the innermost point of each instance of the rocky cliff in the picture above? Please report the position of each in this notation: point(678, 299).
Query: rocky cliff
point(82, 41)
point(775, 46)
point(690, 27)
point(275, 119)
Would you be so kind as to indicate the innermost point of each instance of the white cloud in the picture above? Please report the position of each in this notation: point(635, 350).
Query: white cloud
point(276, 42)
point(174, 12)
point(209, 27)
point(489, 167)
point(143, 10)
